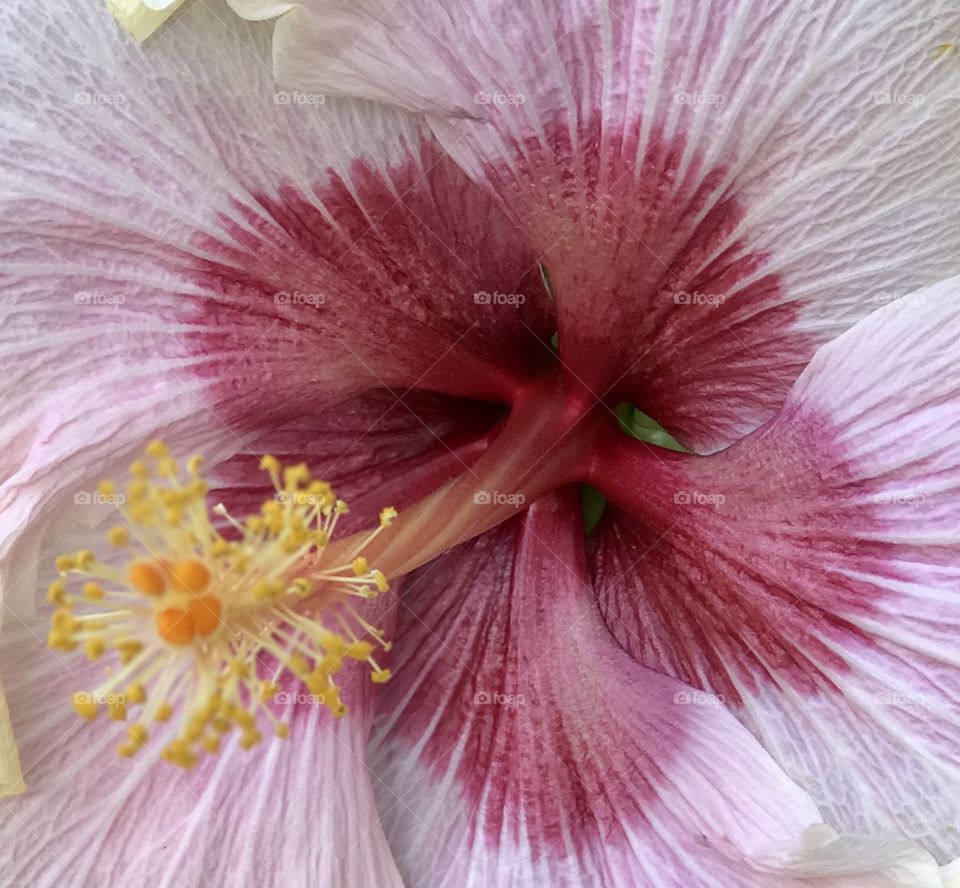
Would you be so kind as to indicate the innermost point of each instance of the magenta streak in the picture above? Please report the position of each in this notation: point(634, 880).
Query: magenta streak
point(658, 294)
point(732, 563)
point(377, 273)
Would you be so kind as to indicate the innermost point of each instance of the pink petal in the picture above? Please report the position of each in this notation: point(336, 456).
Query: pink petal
point(809, 573)
point(377, 450)
point(714, 189)
point(285, 813)
point(157, 206)
point(519, 745)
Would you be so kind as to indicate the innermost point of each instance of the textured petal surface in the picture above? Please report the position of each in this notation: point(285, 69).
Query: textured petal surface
point(519, 745)
point(379, 449)
point(715, 189)
point(809, 573)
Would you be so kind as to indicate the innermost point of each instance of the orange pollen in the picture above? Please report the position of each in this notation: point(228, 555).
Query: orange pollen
point(175, 625)
point(147, 579)
point(204, 613)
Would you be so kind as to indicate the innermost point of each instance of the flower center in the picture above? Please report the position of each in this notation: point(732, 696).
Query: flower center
point(205, 623)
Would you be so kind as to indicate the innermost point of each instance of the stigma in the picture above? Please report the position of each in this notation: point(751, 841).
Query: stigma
point(202, 618)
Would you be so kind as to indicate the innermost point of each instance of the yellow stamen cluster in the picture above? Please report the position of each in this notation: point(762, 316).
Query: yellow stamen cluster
point(205, 624)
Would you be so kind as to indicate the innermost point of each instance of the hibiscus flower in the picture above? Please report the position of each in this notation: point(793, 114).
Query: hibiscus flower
point(749, 654)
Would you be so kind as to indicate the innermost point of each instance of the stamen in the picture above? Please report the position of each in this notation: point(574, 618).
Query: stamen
point(204, 626)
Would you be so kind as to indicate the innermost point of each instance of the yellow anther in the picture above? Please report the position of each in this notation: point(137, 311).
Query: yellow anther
point(94, 648)
point(137, 489)
point(360, 566)
point(381, 676)
point(387, 516)
point(84, 706)
point(117, 710)
point(157, 449)
point(63, 621)
point(164, 712)
point(59, 641)
point(138, 734)
point(118, 536)
point(85, 559)
point(296, 664)
point(221, 547)
point(106, 488)
point(136, 693)
point(382, 584)
point(57, 592)
point(211, 743)
point(178, 753)
point(129, 649)
point(281, 730)
point(359, 650)
point(301, 586)
point(267, 590)
point(65, 563)
point(270, 464)
point(193, 732)
point(193, 465)
point(243, 718)
point(295, 475)
point(92, 591)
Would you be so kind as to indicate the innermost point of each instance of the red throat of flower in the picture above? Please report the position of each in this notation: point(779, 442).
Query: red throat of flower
point(544, 443)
